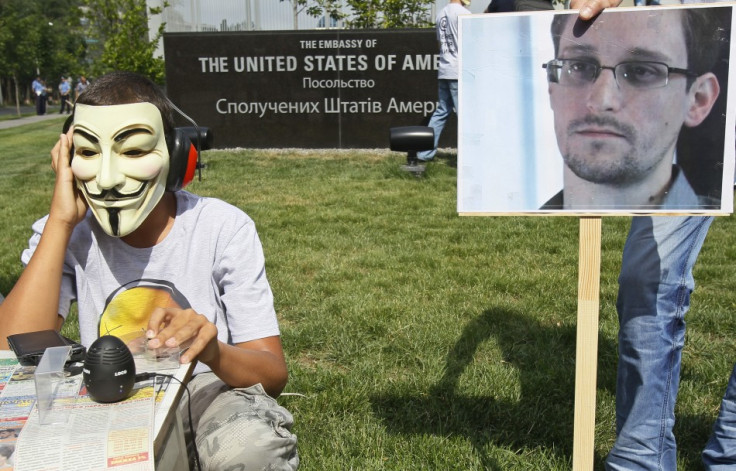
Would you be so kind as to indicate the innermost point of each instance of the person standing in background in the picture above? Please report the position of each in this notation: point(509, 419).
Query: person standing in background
point(39, 94)
point(447, 35)
point(80, 87)
point(65, 88)
point(655, 285)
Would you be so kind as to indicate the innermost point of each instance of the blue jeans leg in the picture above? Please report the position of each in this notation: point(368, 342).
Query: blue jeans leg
point(654, 294)
point(720, 452)
point(447, 91)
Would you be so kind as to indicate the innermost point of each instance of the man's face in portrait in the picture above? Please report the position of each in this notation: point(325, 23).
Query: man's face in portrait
point(620, 125)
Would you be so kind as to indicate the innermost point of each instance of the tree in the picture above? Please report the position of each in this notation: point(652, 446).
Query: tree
point(389, 13)
point(369, 13)
point(399, 13)
point(119, 29)
point(316, 9)
point(18, 41)
point(38, 37)
point(62, 48)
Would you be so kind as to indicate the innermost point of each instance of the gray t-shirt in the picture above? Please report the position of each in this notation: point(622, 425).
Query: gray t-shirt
point(447, 35)
point(211, 261)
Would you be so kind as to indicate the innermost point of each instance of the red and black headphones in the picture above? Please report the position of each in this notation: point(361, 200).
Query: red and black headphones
point(184, 146)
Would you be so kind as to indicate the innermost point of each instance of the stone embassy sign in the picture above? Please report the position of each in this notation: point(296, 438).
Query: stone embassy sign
point(305, 89)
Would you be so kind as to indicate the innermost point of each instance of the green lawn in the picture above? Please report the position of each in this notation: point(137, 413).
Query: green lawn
point(418, 339)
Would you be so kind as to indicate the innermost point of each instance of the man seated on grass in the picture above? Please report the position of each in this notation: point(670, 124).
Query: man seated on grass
point(139, 255)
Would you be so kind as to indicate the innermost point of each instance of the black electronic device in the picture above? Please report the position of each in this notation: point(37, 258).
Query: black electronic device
point(109, 370)
point(29, 347)
point(411, 139)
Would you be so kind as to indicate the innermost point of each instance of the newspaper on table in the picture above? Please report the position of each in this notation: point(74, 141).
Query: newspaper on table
point(94, 436)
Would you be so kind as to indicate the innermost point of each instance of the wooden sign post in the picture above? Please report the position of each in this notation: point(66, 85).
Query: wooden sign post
point(586, 355)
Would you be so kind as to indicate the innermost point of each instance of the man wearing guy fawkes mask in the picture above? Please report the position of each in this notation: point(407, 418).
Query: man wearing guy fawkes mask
point(119, 242)
point(120, 163)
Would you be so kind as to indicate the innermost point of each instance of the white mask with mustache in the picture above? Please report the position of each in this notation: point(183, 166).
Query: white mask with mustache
point(120, 163)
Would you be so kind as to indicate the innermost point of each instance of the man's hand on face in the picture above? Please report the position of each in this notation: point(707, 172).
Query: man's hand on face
point(67, 205)
point(590, 8)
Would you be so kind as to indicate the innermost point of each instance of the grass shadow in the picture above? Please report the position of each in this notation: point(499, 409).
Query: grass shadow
point(692, 433)
point(542, 417)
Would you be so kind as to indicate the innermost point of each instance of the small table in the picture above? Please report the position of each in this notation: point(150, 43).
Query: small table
point(169, 446)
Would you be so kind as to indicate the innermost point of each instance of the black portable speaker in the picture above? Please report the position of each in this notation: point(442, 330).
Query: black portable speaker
point(109, 370)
